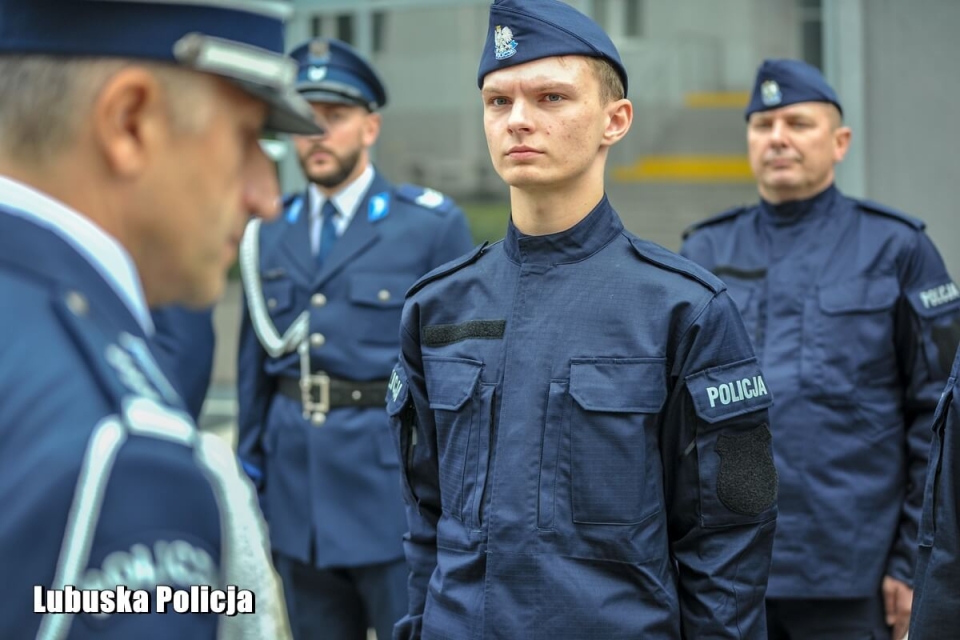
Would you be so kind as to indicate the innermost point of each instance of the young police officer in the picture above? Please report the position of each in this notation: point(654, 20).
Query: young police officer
point(855, 322)
point(581, 419)
point(129, 166)
point(330, 276)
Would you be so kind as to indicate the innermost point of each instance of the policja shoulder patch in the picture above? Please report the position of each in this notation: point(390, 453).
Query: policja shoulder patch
point(728, 391)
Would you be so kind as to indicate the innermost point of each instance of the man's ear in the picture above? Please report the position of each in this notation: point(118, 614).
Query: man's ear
point(371, 129)
point(128, 119)
point(841, 140)
point(619, 118)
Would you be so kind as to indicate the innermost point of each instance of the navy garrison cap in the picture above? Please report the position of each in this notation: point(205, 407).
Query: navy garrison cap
point(239, 40)
point(784, 82)
point(332, 71)
point(527, 30)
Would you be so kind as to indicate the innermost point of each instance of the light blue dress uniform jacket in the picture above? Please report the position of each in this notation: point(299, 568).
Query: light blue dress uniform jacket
point(331, 494)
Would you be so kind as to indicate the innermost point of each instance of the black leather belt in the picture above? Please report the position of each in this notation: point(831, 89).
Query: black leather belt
point(342, 393)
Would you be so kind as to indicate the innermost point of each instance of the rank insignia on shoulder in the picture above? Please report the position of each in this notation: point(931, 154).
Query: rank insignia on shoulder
point(430, 198)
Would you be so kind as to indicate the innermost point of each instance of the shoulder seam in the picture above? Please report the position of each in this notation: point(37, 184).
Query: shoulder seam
point(714, 288)
point(445, 270)
point(720, 217)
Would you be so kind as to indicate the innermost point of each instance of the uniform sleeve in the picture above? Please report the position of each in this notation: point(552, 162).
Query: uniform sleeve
point(415, 436)
point(254, 390)
point(158, 525)
point(453, 240)
point(927, 333)
point(720, 479)
point(184, 344)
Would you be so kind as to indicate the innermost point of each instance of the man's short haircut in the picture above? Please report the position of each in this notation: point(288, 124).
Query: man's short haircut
point(611, 86)
point(45, 99)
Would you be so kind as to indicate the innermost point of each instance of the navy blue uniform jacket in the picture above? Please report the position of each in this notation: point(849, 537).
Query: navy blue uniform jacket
point(184, 346)
point(583, 428)
point(854, 319)
point(936, 604)
point(331, 493)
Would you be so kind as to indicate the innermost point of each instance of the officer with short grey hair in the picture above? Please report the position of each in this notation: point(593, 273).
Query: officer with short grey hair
point(130, 164)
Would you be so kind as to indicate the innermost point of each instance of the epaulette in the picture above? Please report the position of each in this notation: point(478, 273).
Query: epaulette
point(720, 217)
point(672, 262)
point(425, 197)
point(875, 207)
point(446, 269)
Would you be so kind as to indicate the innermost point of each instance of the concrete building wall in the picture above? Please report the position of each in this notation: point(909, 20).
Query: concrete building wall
point(908, 133)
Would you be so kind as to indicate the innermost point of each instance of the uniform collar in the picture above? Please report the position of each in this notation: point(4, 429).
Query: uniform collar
point(101, 250)
point(576, 243)
point(347, 199)
point(794, 211)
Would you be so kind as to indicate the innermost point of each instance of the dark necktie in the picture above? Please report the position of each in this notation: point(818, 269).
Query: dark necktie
point(328, 231)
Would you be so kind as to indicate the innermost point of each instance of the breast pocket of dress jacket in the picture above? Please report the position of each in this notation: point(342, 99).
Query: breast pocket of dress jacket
point(614, 416)
point(852, 343)
point(928, 516)
point(279, 297)
point(461, 410)
point(376, 303)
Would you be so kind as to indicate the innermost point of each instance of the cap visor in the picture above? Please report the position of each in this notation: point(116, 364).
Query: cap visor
point(288, 111)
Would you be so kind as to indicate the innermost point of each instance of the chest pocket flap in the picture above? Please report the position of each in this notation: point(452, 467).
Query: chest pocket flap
point(619, 386)
point(376, 290)
point(450, 381)
point(859, 295)
point(278, 295)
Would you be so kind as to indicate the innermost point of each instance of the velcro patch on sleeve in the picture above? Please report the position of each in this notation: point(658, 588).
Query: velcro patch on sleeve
point(747, 481)
point(728, 391)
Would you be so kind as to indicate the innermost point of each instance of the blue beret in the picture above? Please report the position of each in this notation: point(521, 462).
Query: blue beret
point(784, 82)
point(332, 71)
point(239, 40)
point(527, 30)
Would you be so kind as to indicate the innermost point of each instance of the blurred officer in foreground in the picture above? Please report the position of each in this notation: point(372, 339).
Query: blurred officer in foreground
point(936, 603)
point(324, 288)
point(855, 320)
point(581, 419)
point(129, 166)
point(183, 344)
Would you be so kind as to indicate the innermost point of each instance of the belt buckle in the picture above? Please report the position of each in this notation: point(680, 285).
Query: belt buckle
point(315, 410)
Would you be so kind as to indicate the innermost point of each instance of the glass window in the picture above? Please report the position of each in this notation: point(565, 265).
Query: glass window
point(379, 31)
point(345, 27)
point(634, 18)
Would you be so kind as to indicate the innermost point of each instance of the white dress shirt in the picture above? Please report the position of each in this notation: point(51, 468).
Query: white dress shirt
point(346, 202)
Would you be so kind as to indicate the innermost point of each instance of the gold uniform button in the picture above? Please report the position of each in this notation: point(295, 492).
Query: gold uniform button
point(384, 295)
point(318, 300)
point(317, 340)
point(318, 419)
point(272, 303)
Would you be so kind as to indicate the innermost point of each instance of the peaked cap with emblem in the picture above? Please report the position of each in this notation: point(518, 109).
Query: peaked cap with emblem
point(527, 30)
point(330, 70)
point(780, 83)
point(238, 40)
